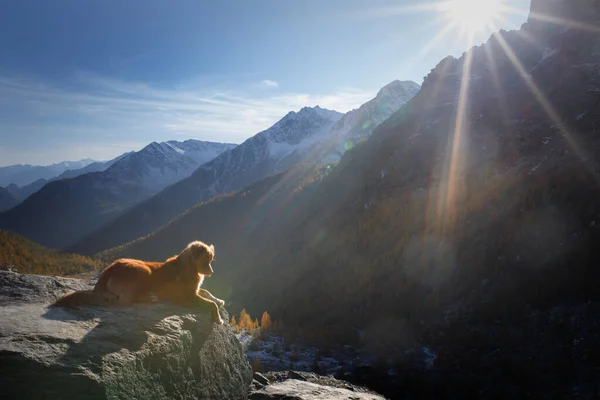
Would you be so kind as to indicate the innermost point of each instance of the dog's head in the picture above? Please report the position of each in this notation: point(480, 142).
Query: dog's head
point(199, 255)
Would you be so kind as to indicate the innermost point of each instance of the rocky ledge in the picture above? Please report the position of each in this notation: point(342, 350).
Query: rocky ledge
point(153, 351)
point(296, 385)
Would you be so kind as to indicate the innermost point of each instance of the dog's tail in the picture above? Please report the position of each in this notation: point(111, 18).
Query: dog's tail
point(85, 298)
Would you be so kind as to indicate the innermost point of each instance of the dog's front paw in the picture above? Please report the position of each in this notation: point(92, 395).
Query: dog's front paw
point(219, 302)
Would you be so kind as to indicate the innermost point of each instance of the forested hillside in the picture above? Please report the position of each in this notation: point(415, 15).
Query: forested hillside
point(31, 258)
point(235, 223)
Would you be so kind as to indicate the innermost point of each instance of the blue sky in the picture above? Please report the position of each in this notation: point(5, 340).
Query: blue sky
point(91, 78)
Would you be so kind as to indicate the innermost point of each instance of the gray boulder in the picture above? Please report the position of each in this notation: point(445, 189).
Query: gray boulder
point(293, 389)
point(297, 385)
point(153, 351)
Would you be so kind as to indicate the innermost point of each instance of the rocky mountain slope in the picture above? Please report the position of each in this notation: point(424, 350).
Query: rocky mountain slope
point(64, 211)
point(358, 124)
point(496, 185)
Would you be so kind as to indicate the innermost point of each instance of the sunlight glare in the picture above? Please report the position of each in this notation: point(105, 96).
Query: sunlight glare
point(471, 15)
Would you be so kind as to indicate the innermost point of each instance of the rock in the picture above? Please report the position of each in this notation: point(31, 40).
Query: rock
point(256, 385)
point(148, 351)
point(261, 378)
point(298, 375)
point(7, 267)
point(293, 389)
point(298, 385)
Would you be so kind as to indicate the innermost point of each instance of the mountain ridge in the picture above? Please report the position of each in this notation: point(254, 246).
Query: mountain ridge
point(268, 152)
point(7, 199)
point(24, 174)
point(23, 192)
point(248, 162)
point(94, 198)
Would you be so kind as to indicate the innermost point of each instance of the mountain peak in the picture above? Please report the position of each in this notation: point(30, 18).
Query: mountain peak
point(399, 87)
point(320, 112)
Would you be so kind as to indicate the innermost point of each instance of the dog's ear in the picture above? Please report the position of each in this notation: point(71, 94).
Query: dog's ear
point(212, 248)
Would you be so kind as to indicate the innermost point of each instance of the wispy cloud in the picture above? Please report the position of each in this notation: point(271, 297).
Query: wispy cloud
point(270, 83)
point(93, 111)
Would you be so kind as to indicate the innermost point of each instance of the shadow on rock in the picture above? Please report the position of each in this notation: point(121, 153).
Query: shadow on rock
point(147, 351)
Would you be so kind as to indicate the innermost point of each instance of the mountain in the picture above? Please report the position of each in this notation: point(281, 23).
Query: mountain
point(65, 210)
point(96, 166)
point(7, 200)
point(358, 124)
point(21, 193)
point(465, 223)
point(161, 164)
point(31, 258)
point(485, 199)
point(257, 206)
point(268, 152)
point(293, 139)
point(25, 174)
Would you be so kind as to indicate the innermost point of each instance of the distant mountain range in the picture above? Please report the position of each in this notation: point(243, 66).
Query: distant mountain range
point(64, 210)
point(23, 192)
point(25, 174)
point(308, 135)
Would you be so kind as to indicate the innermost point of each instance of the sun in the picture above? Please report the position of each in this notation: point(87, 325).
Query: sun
point(472, 16)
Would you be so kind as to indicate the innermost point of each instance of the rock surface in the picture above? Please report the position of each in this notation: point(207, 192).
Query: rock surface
point(295, 385)
point(141, 352)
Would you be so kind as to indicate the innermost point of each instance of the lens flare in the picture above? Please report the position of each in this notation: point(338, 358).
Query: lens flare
point(471, 15)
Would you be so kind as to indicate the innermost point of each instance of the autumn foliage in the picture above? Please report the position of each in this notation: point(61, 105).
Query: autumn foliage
point(31, 258)
point(246, 323)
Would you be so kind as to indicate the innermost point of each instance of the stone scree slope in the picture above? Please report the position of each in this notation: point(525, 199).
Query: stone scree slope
point(148, 351)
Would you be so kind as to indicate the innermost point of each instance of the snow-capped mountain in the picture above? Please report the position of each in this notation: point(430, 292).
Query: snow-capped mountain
point(268, 152)
point(24, 174)
point(94, 198)
point(309, 135)
point(360, 123)
point(158, 165)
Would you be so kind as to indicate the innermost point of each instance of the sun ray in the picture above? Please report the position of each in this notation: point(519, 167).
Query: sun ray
point(504, 111)
point(550, 111)
point(471, 16)
point(529, 38)
point(457, 137)
point(448, 190)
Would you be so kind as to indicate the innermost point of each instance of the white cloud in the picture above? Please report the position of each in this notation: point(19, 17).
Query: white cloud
point(270, 83)
point(94, 111)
